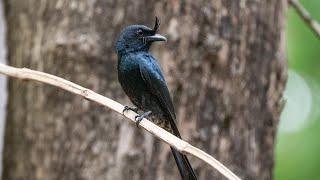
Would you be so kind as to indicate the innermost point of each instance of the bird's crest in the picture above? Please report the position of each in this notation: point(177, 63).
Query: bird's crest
point(156, 25)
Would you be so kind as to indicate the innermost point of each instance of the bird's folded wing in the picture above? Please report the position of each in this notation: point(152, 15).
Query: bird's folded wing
point(152, 76)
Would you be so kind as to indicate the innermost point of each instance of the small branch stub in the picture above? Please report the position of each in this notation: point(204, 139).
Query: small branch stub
point(313, 24)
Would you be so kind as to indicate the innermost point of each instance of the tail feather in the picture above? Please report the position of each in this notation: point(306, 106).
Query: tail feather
point(182, 161)
point(184, 166)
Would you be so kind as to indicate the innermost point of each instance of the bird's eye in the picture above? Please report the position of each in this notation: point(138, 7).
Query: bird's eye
point(139, 32)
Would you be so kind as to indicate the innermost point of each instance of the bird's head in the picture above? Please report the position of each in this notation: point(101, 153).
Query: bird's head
point(136, 38)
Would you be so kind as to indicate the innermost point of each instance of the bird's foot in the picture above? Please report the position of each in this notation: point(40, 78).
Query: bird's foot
point(127, 108)
point(140, 117)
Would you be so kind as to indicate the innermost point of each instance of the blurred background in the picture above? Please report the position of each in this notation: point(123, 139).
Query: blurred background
point(298, 144)
point(3, 81)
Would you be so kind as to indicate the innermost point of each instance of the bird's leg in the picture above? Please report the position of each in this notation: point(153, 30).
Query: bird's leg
point(127, 108)
point(140, 117)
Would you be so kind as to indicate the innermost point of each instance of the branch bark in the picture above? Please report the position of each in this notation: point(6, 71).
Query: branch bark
point(180, 145)
point(313, 24)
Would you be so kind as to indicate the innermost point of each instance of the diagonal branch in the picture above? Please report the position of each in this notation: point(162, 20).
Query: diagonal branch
point(313, 24)
point(180, 145)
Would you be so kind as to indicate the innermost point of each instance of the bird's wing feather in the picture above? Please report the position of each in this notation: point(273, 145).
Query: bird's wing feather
point(152, 76)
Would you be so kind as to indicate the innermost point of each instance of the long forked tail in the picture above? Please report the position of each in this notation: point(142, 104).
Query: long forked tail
point(184, 166)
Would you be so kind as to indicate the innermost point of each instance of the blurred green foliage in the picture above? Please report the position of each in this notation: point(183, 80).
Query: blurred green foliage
point(298, 140)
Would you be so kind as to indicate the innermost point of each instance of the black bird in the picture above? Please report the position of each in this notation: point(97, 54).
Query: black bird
point(141, 78)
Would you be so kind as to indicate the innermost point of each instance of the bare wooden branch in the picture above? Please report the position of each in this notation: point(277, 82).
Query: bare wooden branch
point(180, 145)
point(313, 24)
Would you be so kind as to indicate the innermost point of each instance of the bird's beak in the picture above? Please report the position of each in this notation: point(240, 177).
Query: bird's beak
point(156, 37)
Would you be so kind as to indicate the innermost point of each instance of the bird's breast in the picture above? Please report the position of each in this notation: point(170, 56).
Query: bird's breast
point(131, 81)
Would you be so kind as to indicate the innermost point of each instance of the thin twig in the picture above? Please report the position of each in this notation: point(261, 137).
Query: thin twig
point(180, 145)
point(313, 24)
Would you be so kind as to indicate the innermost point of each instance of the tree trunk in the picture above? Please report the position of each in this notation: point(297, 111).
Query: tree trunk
point(223, 63)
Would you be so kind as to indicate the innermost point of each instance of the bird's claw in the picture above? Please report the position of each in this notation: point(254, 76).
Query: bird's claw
point(127, 108)
point(139, 118)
